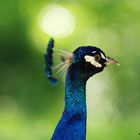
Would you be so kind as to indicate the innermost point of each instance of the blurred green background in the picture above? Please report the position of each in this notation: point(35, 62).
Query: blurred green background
point(29, 106)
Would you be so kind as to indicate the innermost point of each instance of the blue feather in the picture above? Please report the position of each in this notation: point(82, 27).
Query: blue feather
point(72, 125)
point(49, 62)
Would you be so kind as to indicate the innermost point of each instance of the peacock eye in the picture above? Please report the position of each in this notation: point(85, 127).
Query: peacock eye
point(97, 57)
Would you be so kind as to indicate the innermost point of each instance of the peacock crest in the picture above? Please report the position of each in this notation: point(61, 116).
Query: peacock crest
point(52, 71)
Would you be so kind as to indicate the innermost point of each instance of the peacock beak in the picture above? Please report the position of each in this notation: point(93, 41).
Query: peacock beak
point(110, 61)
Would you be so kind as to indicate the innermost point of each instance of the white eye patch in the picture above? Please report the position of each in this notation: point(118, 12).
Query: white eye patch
point(91, 59)
point(102, 56)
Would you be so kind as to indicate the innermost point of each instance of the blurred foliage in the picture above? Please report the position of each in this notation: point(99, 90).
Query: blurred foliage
point(30, 108)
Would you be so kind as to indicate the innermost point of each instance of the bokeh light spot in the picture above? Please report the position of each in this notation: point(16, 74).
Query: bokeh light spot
point(57, 21)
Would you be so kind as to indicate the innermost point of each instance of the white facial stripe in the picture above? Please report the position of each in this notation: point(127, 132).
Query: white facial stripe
point(91, 59)
point(102, 56)
point(94, 52)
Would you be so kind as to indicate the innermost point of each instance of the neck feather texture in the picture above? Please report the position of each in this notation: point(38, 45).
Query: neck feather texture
point(72, 125)
point(75, 94)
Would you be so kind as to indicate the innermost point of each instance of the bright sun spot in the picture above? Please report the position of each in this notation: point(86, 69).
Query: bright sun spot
point(57, 21)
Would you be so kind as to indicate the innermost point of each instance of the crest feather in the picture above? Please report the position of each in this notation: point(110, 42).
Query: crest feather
point(65, 57)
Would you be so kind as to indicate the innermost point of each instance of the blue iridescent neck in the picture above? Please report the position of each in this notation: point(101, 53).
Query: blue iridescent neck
point(75, 102)
point(72, 125)
point(75, 96)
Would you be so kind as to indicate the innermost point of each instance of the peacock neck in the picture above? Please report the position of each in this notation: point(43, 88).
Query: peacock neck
point(72, 125)
point(75, 92)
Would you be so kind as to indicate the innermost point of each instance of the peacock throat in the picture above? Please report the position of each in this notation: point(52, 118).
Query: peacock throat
point(72, 124)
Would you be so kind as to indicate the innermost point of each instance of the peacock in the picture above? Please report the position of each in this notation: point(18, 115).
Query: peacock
point(83, 63)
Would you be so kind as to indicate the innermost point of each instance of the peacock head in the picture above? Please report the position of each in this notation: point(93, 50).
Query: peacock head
point(91, 60)
point(86, 60)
